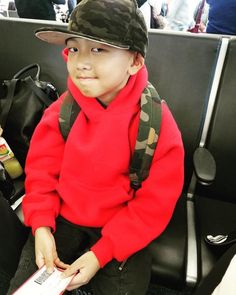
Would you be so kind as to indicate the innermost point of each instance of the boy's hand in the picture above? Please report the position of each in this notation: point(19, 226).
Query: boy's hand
point(45, 250)
point(86, 265)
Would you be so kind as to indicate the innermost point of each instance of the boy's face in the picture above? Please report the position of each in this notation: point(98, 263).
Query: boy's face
point(99, 70)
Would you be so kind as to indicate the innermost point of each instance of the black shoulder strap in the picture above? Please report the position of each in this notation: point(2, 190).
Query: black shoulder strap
point(149, 129)
point(68, 113)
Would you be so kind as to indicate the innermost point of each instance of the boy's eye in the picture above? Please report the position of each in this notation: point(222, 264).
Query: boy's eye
point(97, 50)
point(73, 49)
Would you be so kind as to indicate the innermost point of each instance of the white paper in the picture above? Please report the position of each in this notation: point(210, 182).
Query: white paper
point(42, 283)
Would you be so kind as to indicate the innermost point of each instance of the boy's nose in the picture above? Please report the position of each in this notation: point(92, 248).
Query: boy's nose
point(83, 63)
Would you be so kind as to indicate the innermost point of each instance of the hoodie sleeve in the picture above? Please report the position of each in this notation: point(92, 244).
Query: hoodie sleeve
point(146, 216)
point(41, 202)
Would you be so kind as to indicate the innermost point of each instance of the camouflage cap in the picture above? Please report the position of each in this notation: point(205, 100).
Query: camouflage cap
point(118, 23)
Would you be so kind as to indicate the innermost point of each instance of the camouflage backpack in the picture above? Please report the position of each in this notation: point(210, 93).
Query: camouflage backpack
point(148, 132)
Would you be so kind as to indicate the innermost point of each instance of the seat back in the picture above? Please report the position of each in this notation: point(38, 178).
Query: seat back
point(222, 135)
point(181, 66)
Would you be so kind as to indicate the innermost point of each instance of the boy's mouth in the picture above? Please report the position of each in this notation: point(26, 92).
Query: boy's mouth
point(85, 78)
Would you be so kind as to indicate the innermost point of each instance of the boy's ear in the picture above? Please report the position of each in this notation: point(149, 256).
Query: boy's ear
point(138, 62)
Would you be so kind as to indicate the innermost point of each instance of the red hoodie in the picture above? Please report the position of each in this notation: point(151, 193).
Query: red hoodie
point(86, 179)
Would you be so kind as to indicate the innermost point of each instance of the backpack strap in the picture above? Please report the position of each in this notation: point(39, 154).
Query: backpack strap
point(68, 113)
point(148, 132)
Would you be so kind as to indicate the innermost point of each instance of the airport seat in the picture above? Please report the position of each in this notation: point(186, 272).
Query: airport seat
point(215, 204)
point(181, 66)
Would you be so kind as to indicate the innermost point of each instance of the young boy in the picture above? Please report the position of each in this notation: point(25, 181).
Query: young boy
point(78, 201)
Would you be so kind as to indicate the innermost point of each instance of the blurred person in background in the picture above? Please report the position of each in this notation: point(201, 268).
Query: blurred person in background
point(180, 15)
point(37, 9)
point(204, 16)
point(200, 17)
point(222, 17)
point(71, 5)
point(152, 11)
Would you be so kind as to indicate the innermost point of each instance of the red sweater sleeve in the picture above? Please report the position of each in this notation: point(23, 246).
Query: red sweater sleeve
point(41, 203)
point(146, 216)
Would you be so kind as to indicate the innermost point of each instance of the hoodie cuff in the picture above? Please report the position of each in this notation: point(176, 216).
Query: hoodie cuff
point(103, 251)
point(40, 221)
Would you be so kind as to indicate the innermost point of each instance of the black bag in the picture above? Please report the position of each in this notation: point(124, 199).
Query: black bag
point(22, 103)
point(13, 237)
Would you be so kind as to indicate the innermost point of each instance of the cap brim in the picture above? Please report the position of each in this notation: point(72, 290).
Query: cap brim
point(60, 37)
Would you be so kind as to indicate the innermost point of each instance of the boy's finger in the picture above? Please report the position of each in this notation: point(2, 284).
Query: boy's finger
point(60, 263)
point(72, 269)
point(49, 264)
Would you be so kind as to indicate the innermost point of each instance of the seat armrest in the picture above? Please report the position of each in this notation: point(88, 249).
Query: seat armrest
point(17, 207)
point(192, 255)
point(19, 189)
point(204, 166)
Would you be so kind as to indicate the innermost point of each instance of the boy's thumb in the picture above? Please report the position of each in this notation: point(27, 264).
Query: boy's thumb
point(49, 265)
